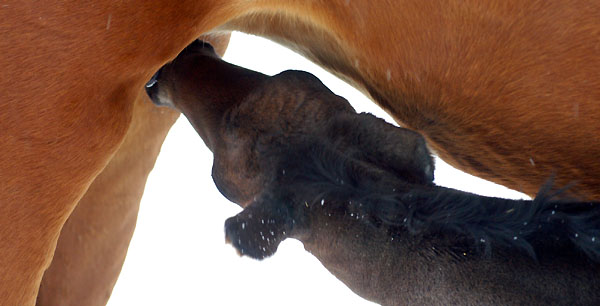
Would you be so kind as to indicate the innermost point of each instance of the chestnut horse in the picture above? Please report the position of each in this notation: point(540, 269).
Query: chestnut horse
point(506, 90)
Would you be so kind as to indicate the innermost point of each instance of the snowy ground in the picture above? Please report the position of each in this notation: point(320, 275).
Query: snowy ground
point(178, 254)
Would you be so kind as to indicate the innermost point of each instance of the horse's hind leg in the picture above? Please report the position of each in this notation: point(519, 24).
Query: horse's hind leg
point(94, 241)
point(48, 158)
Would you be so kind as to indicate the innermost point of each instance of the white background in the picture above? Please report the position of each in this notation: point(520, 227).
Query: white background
point(178, 254)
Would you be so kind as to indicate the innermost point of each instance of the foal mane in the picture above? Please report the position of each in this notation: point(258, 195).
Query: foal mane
point(318, 172)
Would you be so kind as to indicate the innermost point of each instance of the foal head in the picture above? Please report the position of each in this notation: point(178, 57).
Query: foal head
point(244, 115)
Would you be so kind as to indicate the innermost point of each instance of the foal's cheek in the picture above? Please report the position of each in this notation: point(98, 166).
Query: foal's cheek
point(257, 231)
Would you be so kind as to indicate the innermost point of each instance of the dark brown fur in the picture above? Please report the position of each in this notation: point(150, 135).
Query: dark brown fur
point(301, 161)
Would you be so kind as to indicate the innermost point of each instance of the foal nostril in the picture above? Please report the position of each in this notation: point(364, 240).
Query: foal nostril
point(152, 88)
point(153, 79)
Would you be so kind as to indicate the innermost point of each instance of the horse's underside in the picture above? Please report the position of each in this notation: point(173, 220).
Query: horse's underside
point(505, 90)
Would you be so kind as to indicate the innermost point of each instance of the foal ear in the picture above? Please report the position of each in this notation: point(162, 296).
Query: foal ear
point(391, 148)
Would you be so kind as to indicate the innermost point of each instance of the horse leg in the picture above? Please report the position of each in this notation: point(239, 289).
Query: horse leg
point(94, 241)
point(46, 165)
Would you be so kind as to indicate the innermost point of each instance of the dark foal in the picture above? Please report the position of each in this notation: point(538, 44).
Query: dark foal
point(359, 194)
